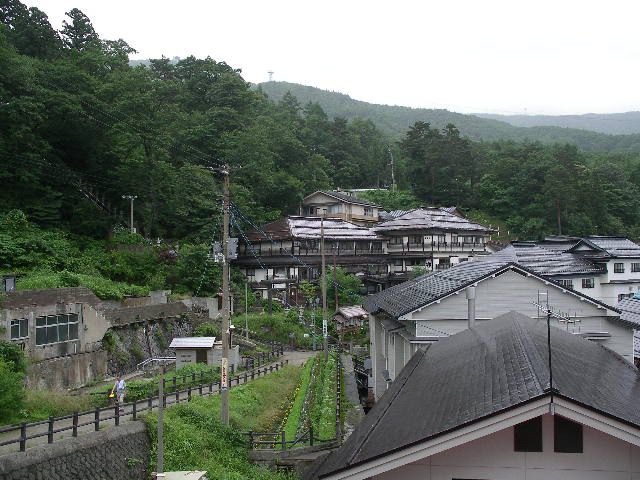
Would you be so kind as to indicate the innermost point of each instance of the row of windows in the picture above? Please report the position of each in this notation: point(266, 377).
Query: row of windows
point(567, 436)
point(56, 328)
point(586, 283)
point(420, 239)
point(618, 267)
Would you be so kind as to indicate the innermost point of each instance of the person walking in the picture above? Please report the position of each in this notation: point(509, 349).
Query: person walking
point(119, 388)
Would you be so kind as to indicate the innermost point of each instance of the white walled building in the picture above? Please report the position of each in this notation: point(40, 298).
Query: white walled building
point(430, 308)
point(480, 405)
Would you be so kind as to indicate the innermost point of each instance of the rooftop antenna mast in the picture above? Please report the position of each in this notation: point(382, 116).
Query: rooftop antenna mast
point(270, 76)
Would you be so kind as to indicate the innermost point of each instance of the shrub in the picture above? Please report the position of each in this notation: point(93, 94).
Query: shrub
point(13, 356)
point(11, 390)
point(207, 329)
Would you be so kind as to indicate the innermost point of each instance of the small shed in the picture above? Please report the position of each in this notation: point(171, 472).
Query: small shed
point(205, 350)
point(350, 318)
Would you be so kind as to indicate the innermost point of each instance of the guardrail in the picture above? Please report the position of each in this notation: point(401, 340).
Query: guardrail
point(97, 418)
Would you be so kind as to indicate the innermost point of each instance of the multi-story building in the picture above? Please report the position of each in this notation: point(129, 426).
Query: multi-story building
point(287, 251)
point(431, 238)
point(341, 204)
point(580, 279)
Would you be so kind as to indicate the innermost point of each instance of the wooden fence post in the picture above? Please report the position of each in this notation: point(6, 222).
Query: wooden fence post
point(135, 410)
point(23, 436)
point(117, 413)
point(96, 419)
point(283, 439)
point(75, 424)
point(311, 435)
point(250, 440)
point(50, 431)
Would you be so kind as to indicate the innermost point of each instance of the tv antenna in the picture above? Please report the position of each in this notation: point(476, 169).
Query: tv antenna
point(270, 76)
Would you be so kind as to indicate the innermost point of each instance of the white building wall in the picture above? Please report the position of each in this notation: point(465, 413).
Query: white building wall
point(492, 457)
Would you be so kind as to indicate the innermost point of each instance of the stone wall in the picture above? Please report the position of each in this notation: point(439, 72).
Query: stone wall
point(125, 316)
point(121, 453)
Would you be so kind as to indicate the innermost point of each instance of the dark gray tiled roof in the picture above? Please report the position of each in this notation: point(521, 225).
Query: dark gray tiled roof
point(413, 294)
point(504, 365)
point(349, 198)
point(630, 311)
point(392, 214)
point(616, 246)
point(430, 218)
point(547, 260)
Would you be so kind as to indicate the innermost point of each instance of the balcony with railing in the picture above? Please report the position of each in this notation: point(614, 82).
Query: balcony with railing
point(426, 247)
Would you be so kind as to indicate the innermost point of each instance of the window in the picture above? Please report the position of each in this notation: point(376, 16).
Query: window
point(635, 267)
point(618, 267)
point(469, 239)
point(397, 262)
point(442, 238)
point(588, 283)
point(251, 272)
point(19, 328)
point(454, 238)
point(396, 240)
point(527, 436)
point(566, 283)
point(416, 239)
point(335, 208)
point(368, 212)
point(567, 436)
point(480, 240)
point(56, 328)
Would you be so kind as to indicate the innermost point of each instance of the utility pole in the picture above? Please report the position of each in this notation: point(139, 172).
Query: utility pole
point(324, 290)
point(393, 171)
point(246, 309)
point(131, 198)
point(335, 280)
point(160, 453)
point(224, 377)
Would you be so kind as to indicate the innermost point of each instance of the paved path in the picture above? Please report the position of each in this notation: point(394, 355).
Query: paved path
point(86, 423)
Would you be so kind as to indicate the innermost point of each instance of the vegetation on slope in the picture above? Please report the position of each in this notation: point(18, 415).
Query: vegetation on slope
point(395, 120)
point(195, 439)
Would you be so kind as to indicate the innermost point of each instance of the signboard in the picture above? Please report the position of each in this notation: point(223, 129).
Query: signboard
point(224, 377)
point(324, 327)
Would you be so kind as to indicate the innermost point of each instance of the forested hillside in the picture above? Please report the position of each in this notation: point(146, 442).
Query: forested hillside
point(611, 123)
point(80, 127)
point(394, 120)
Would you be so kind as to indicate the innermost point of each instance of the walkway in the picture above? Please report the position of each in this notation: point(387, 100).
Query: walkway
point(86, 422)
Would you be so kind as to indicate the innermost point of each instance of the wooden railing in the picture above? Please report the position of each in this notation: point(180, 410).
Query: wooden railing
point(99, 416)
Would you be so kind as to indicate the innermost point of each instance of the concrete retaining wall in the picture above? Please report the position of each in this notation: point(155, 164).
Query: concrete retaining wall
point(116, 453)
point(69, 371)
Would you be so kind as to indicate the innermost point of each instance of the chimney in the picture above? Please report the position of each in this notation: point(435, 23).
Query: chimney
point(471, 306)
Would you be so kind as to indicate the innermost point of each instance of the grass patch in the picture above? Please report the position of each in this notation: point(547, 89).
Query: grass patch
point(41, 404)
point(292, 425)
point(277, 327)
point(195, 439)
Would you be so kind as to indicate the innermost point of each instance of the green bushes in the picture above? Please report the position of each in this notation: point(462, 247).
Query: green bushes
point(103, 287)
point(279, 327)
point(323, 412)
point(207, 329)
point(293, 425)
point(11, 391)
point(195, 439)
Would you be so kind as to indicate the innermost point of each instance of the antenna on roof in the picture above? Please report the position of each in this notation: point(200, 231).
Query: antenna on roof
point(393, 171)
point(270, 75)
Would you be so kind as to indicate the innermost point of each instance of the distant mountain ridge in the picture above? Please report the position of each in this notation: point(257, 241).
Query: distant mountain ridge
point(395, 120)
point(611, 123)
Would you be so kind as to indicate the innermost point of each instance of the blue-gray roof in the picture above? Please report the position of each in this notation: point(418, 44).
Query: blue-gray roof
point(430, 218)
point(504, 365)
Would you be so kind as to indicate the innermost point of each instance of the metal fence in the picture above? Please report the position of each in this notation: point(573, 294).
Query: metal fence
point(54, 428)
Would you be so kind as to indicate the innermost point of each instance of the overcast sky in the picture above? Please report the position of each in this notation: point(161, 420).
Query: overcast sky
point(512, 56)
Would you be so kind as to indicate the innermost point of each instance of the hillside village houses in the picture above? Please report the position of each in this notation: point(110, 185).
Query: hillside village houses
point(381, 252)
point(341, 204)
point(582, 280)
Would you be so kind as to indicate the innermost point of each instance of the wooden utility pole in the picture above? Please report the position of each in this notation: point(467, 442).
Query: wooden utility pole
point(324, 291)
point(224, 376)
